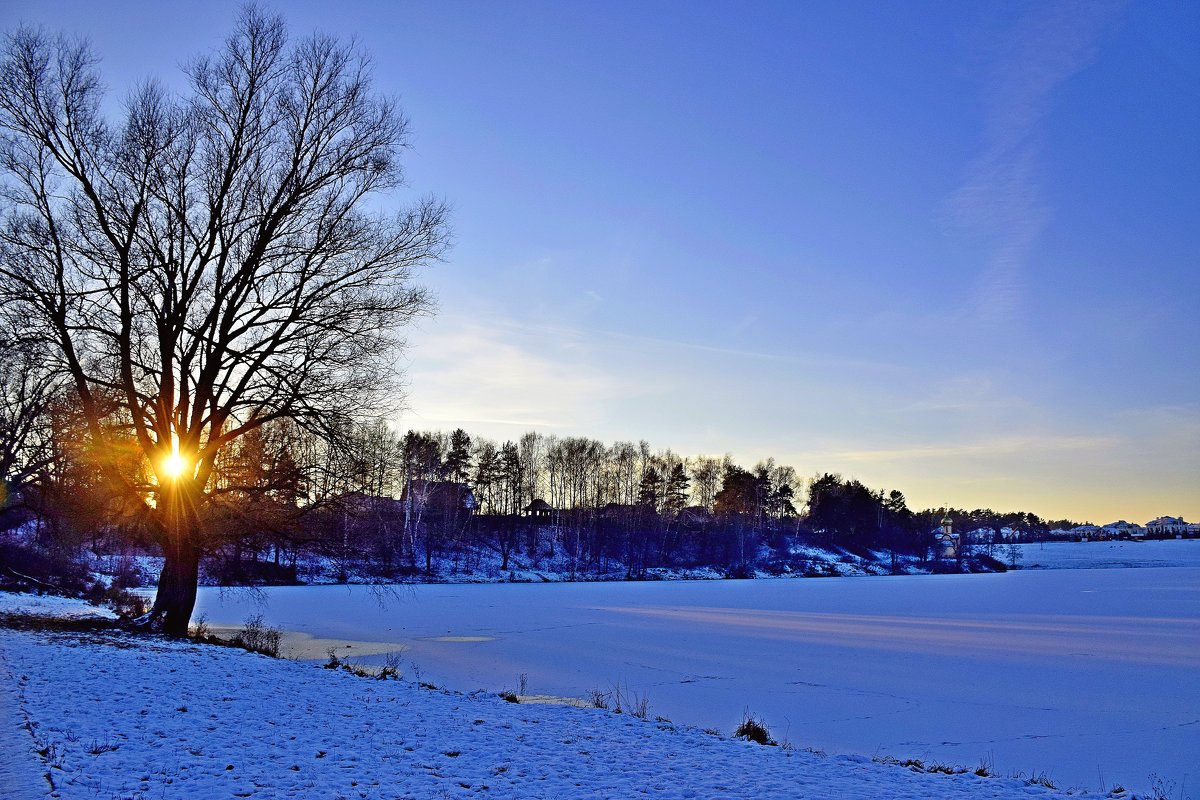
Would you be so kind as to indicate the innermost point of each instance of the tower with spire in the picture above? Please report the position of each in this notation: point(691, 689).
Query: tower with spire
point(947, 539)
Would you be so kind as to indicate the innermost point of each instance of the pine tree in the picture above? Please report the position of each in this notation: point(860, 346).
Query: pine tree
point(458, 456)
point(651, 489)
point(676, 489)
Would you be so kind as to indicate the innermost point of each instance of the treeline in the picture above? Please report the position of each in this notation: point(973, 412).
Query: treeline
point(376, 503)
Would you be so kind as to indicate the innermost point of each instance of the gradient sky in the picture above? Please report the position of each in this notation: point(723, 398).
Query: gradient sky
point(951, 248)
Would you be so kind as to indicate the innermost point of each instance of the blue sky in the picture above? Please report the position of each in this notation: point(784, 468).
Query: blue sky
point(951, 248)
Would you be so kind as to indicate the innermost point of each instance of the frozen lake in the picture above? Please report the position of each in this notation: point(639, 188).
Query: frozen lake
point(1092, 676)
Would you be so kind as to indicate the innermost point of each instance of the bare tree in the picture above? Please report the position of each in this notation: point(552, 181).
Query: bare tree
point(706, 479)
point(209, 262)
point(26, 393)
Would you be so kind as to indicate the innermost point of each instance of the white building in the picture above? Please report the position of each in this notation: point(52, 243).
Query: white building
point(1124, 530)
point(946, 541)
point(1166, 526)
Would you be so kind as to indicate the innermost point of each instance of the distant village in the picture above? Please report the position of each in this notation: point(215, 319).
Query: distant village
point(1161, 528)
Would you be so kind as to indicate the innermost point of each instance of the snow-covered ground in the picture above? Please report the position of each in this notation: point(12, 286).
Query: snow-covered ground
point(1108, 555)
point(1092, 676)
point(119, 717)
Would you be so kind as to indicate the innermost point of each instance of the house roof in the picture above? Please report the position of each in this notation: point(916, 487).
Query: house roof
point(440, 492)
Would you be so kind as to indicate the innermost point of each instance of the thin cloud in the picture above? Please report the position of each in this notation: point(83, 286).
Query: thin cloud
point(1001, 446)
point(1000, 200)
point(975, 391)
point(470, 371)
point(573, 334)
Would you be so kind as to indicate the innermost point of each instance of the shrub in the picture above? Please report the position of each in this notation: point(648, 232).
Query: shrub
point(391, 666)
point(739, 571)
point(128, 576)
point(986, 563)
point(1161, 788)
point(200, 630)
point(639, 706)
point(126, 604)
point(227, 572)
point(258, 638)
point(27, 568)
point(753, 730)
point(97, 746)
point(1036, 779)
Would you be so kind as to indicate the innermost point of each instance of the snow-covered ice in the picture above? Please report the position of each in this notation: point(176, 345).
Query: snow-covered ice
point(1089, 675)
point(133, 718)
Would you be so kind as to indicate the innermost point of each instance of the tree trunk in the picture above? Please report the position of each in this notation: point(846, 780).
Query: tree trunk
point(176, 597)
point(180, 576)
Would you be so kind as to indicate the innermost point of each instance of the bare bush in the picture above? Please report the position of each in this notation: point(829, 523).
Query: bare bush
point(391, 666)
point(598, 698)
point(257, 637)
point(753, 729)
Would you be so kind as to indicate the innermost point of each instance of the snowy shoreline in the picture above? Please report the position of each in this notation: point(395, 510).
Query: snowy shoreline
point(124, 716)
point(820, 564)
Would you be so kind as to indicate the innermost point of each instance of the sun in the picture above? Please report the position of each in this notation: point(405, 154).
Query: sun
point(174, 465)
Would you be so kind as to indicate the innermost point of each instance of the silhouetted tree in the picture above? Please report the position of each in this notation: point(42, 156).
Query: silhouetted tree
point(26, 393)
point(846, 512)
point(458, 456)
point(208, 262)
point(676, 489)
point(650, 491)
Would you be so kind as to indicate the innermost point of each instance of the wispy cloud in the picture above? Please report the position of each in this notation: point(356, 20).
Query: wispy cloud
point(1000, 200)
point(510, 327)
point(999, 446)
point(971, 391)
point(480, 372)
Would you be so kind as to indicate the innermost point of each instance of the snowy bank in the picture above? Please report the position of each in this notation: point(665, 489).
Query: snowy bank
point(119, 716)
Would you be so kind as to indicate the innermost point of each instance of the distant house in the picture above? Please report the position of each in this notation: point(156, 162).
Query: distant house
point(1087, 532)
point(620, 511)
point(360, 504)
point(1124, 530)
point(1166, 526)
point(440, 499)
point(538, 509)
point(694, 516)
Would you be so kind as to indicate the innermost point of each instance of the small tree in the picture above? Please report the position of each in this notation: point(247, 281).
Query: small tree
point(207, 263)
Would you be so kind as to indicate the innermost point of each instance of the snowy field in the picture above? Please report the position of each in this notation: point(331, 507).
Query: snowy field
point(1106, 555)
point(1092, 676)
point(131, 718)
